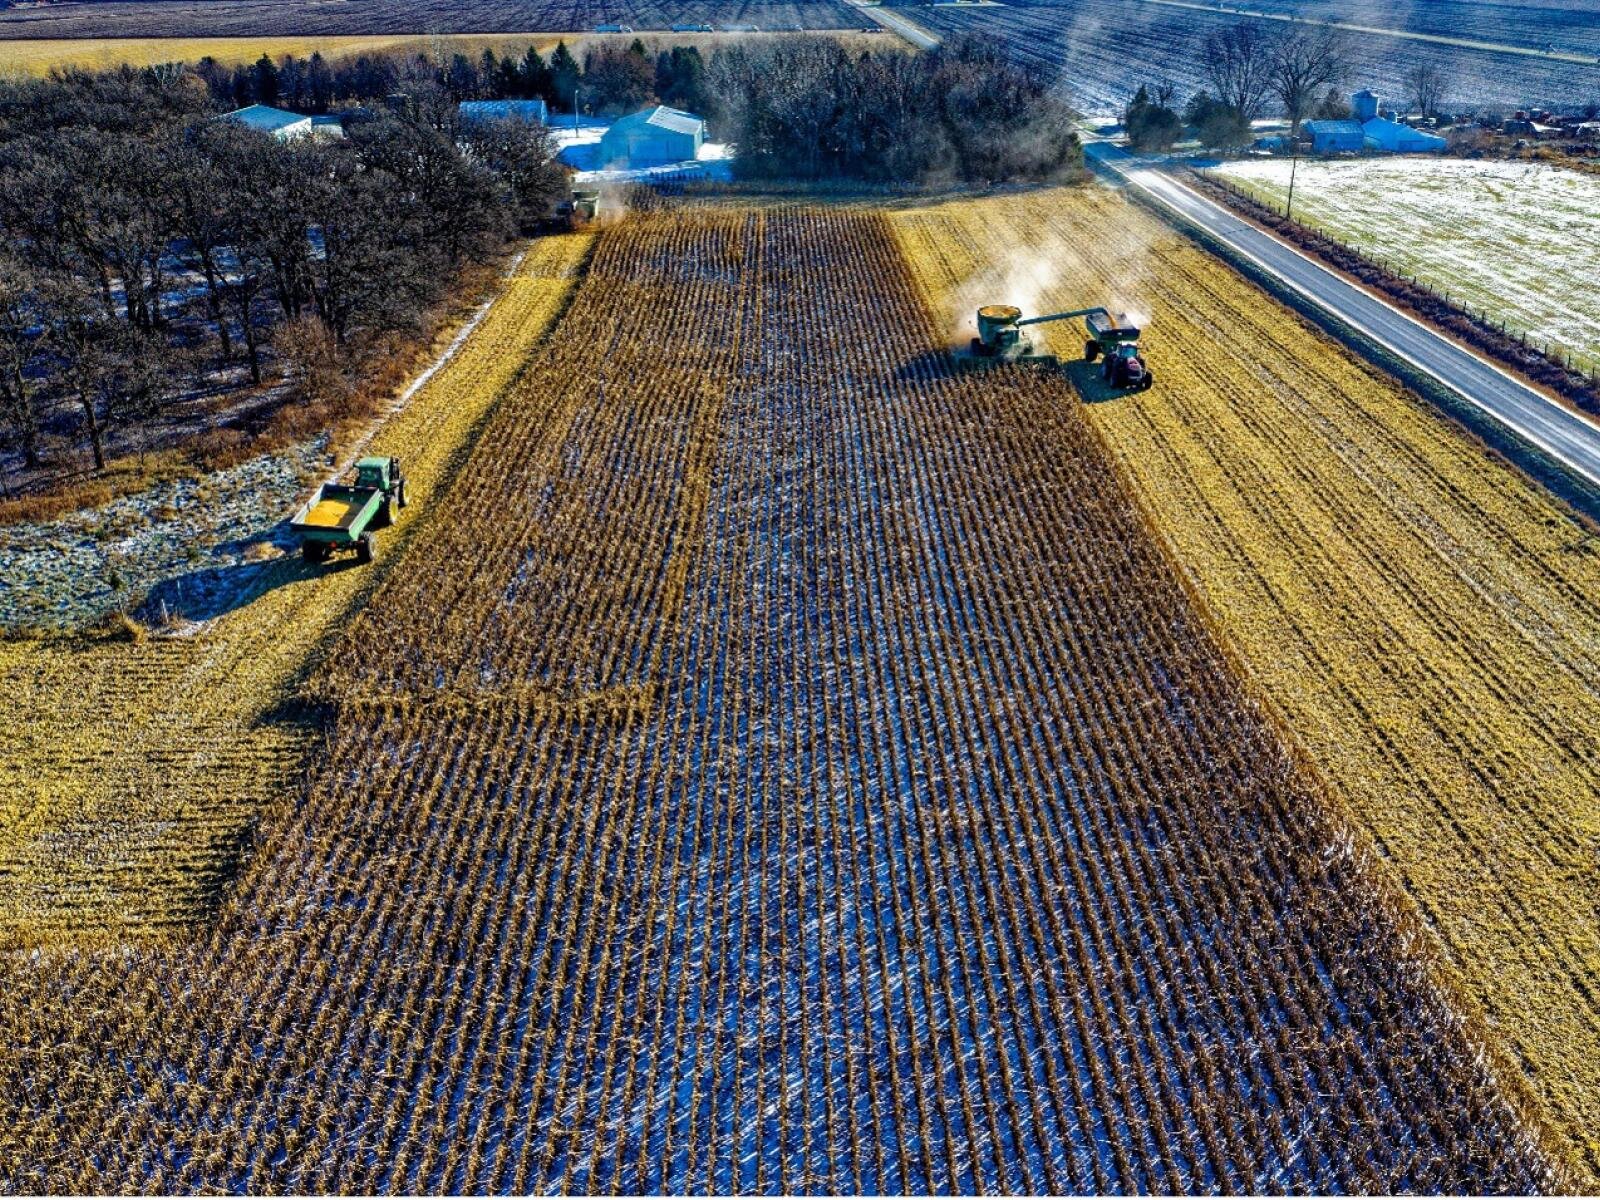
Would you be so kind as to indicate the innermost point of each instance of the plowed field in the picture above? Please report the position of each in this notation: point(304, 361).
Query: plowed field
point(1426, 618)
point(780, 766)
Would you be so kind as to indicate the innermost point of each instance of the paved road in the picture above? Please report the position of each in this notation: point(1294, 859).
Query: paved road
point(1564, 435)
point(894, 22)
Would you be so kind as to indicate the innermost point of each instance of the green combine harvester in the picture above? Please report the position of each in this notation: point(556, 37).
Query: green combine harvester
point(1113, 337)
point(343, 516)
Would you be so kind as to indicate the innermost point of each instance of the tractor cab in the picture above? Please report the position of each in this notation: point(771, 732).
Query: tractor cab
point(374, 473)
point(1124, 368)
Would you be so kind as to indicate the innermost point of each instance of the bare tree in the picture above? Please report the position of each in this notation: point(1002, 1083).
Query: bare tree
point(1238, 62)
point(18, 338)
point(1304, 62)
point(1426, 84)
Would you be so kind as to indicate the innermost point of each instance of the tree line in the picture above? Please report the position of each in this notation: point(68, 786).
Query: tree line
point(809, 108)
point(148, 248)
point(611, 78)
point(796, 108)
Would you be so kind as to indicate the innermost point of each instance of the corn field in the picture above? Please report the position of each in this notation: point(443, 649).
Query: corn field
point(781, 764)
point(1424, 615)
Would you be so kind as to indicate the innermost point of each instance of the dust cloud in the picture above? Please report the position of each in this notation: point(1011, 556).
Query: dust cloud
point(1044, 272)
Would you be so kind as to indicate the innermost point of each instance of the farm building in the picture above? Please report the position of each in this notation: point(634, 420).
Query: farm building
point(1335, 137)
point(653, 137)
point(534, 112)
point(1369, 133)
point(263, 118)
point(1391, 137)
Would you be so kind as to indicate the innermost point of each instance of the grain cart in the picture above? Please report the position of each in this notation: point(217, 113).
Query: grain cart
point(342, 516)
point(1111, 335)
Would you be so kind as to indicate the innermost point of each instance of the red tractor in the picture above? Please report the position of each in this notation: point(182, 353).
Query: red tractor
point(1117, 338)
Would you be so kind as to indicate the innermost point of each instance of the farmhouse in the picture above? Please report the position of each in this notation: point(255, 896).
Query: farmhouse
point(533, 112)
point(653, 137)
point(285, 126)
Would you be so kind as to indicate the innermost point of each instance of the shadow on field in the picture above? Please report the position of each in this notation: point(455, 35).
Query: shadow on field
point(1090, 381)
point(212, 592)
point(1087, 379)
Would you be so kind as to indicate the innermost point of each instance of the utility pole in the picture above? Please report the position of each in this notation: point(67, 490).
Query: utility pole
point(1294, 165)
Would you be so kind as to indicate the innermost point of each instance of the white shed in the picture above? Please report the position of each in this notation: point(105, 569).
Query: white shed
point(263, 118)
point(653, 137)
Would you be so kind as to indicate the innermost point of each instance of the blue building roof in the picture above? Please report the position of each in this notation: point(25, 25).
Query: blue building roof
point(532, 111)
point(1393, 136)
point(1333, 128)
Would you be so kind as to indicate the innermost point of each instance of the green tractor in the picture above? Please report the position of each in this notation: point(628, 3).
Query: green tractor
point(343, 516)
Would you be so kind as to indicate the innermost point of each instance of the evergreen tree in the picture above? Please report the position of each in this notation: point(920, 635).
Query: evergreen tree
point(319, 83)
point(265, 81)
point(534, 76)
point(564, 76)
point(1151, 124)
point(681, 80)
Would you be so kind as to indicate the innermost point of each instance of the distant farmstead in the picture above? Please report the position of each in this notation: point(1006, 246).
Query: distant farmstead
point(654, 137)
point(285, 126)
point(532, 112)
point(1369, 133)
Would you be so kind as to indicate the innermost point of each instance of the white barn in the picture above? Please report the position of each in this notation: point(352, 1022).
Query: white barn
point(653, 137)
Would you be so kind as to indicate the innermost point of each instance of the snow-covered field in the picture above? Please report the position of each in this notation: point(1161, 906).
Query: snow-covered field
point(194, 545)
point(1518, 241)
